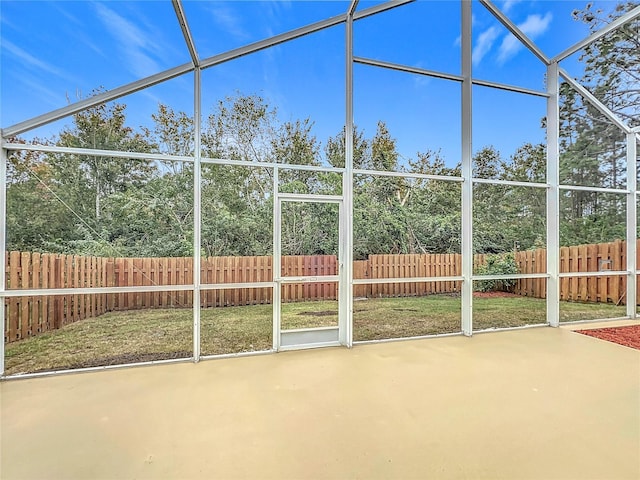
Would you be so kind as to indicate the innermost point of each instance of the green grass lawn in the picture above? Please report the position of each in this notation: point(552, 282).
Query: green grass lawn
point(143, 335)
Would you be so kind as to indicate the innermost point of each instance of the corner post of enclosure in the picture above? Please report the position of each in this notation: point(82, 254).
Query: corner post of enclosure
point(632, 249)
point(346, 293)
point(277, 262)
point(197, 213)
point(467, 174)
point(553, 196)
point(3, 246)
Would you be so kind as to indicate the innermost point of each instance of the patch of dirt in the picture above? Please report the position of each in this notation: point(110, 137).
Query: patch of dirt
point(404, 310)
point(325, 313)
point(627, 336)
point(130, 358)
point(494, 295)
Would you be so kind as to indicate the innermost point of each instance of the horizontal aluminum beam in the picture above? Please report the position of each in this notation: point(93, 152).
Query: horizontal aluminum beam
point(581, 188)
point(374, 281)
point(406, 68)
point(588, 96)
point(309, 279)
point(426, 176)
point(226, 286)
point(309, 198)
point(514, 276)
point(90, 102)
point(49, 292)
point(605, 273)
point(447, 76)
point(95, 152)
point(509, 88)
point(630, 15)
point(280, 166)
point(502, 18)
point(512, 183)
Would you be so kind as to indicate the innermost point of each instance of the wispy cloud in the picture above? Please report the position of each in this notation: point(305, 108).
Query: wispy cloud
point(508, 5)
point(534, 26)
point(46, 95)
point(137, 48)
point(484, 44)
point(63, 11)
point(34, 63)
point(228, 20)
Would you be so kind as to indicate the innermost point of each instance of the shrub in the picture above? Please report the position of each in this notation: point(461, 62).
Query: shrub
point(504, 264)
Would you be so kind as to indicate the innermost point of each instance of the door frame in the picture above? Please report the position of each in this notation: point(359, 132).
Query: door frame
point(313, 337)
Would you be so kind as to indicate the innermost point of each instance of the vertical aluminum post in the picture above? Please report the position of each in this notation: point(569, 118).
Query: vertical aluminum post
point(277, 262)
point(346, 290)
point(4, 154)
point(197, 213)
point(553, 196)
point(467, 174)
point(632, 220)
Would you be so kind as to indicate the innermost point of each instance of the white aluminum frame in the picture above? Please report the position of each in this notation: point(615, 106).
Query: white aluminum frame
point(345, 200)
point(315, 336)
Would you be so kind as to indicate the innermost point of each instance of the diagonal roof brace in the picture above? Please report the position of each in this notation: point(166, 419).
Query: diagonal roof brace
point(627, 17)
point(87, 103)
point(143, 83)
point(186, 31)
point(515, 31)
point(594, 101)
point(297, 33)
point(352, 7)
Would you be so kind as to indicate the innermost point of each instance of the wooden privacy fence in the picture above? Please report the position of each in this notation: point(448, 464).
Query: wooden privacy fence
point(30, 315)
point(406, 266)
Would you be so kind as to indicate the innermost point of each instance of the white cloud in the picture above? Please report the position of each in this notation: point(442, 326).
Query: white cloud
point(29, 60)
point(508, 5)
point(534, 26)
point(47, 95)
point(137, 48)
point(228, 21)
point(484, 44)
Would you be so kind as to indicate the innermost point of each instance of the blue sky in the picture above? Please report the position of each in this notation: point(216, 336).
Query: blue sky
point(55, 52)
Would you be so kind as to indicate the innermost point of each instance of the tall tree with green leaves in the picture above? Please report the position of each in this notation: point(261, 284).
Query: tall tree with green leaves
point(86, 180)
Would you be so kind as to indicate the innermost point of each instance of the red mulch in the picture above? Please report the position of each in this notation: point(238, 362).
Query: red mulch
point(627, 336)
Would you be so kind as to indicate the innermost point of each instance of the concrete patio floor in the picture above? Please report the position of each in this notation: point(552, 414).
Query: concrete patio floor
point(537, 403)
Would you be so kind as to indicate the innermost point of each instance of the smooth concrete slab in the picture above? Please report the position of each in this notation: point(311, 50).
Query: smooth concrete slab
point(588, 325)
point(538, 403)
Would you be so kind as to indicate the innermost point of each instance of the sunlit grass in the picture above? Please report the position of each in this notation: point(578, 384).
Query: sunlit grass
point(144, 335)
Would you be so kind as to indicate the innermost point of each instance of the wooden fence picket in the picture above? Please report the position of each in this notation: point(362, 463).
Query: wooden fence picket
point(30, 315)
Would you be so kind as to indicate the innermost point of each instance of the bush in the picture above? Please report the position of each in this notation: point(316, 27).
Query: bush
point(504, 264)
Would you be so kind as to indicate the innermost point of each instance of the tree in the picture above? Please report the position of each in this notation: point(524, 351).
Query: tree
point(612, 63)
point(592, 148)
point(335, 149)
point(236, 200)
point(36, 219)
point(87, 179)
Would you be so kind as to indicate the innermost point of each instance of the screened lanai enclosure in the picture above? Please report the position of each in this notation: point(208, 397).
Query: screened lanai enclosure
point(268, 176)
